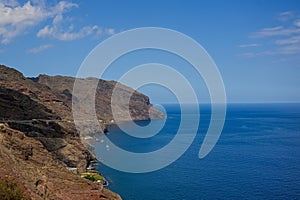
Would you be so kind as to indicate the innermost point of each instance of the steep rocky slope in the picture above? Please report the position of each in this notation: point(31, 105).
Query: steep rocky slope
point(25, 162)
point(28, 105)
point(39, 143)
point(139, 105)
point(13, 79)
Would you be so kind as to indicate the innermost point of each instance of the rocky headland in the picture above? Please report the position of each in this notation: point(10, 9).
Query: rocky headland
point(40, 149)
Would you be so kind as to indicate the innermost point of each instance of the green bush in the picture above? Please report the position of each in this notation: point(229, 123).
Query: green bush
point(9, 191)
point(89, 177)
point(94, 177)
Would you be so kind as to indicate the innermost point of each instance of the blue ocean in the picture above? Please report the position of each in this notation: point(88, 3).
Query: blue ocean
point(256, 157)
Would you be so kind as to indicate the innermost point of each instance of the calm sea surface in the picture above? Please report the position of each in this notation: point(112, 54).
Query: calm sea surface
point(256, 157)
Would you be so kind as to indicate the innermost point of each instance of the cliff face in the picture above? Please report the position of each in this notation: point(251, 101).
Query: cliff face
point(28, 105)
point(139, 104)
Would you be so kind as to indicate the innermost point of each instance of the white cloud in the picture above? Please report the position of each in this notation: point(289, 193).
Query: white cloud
point(248, 54)
point(285, 16)
point(290, 40)
point(59, 31)
point(60, 34)
point(110, 31)
point(39, 49)
point(249, 45)
point(16, 18)
point(297, 23)
point(275, 31)
point(11, 3)
point(289, 49)
point(282, 50)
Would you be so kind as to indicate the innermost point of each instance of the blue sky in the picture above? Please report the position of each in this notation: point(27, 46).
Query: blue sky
point(255, 44)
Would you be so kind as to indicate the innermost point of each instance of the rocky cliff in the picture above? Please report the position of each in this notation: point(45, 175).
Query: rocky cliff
point(139, 104)
point(39, 141)
point(35, 110)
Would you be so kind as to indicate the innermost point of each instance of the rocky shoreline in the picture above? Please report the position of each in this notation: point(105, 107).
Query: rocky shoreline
point(91, 170)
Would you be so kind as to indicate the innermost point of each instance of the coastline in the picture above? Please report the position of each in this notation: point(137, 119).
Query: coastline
point(91, 170)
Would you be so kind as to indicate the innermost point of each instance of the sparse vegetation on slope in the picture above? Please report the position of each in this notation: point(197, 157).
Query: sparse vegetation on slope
point(10, 191)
